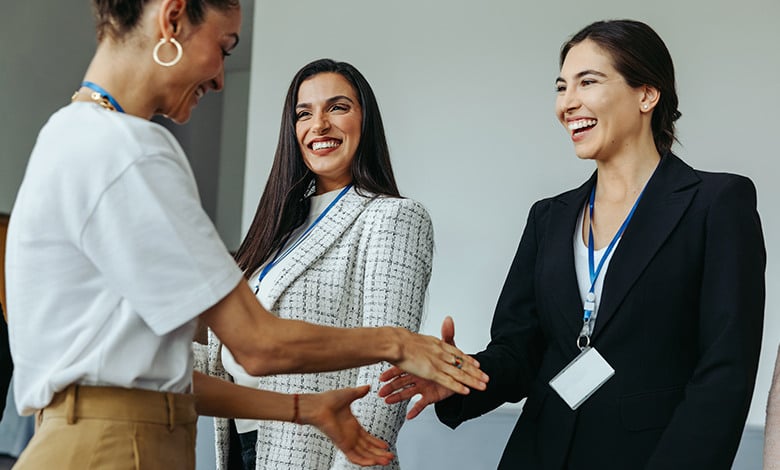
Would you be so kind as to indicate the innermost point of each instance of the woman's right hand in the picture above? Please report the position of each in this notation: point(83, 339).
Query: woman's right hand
point(440, 361)
point(403, 386)
point(330, 412)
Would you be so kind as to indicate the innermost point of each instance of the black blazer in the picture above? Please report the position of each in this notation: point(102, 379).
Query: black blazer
point(6, 365)
point(680, 321)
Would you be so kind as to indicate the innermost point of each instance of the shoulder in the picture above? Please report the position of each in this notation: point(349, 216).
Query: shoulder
point(393, 209)
point(716, 182)
point(85, 141)
point(679, 175)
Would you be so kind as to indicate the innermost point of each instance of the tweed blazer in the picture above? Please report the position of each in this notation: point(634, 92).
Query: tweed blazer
point(367, 263)
point(680, 321)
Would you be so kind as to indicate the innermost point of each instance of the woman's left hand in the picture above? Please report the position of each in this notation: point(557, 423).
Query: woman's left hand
point(330, 412)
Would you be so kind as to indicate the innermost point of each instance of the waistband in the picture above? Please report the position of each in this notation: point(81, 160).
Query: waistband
point(124, 404)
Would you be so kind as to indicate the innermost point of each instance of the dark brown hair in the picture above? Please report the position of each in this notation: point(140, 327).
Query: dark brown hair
point(641, 57)
point(116, 18)
point(283, 207)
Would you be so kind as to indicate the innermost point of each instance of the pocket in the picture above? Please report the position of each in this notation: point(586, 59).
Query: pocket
point(649, 410)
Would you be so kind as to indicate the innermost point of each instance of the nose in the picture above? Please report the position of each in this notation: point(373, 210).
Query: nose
point(320, 123)
point(219, 81)
point(568, 101)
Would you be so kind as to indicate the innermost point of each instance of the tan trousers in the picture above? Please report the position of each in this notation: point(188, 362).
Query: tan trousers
point(88, 428)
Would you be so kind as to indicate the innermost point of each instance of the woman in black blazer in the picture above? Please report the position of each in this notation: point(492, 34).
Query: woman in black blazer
point(6, 365)
point(672, 321)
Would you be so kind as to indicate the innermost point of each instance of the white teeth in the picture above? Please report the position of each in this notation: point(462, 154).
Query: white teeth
point(325, 145)
point(573, 126)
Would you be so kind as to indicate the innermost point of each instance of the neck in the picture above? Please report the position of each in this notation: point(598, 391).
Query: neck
point(624, 179)
point(123, 74)
point(325, 186)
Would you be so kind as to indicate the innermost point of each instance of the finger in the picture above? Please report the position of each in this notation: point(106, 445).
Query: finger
point(458, 375)
point(397, 384)
point(358, 458)
point(373, 444)
point(469, 365)
point(361, 391)
point(401, 395)
point(374, 449)
point(390, 374)
point(448, 330)
point(450, 349)
point(469, 376)
point(417, 409)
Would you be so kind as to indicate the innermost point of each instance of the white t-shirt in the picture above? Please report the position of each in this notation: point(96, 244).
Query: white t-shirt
point(110, 258)
point(240, 376)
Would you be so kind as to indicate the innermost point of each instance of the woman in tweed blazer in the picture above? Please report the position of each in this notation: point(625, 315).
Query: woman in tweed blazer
point(365, 262)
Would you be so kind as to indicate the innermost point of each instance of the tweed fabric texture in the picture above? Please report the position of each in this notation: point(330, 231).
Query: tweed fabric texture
point(367, 263)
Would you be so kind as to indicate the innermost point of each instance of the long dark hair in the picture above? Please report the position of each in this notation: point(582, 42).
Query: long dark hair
point(283, 207)
point(641, 57)
point(116, 18)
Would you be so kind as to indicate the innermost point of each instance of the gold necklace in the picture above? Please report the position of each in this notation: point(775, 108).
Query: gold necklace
point(97, 98)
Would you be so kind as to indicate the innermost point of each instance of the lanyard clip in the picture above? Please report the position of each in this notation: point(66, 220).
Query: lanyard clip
point(583, 340)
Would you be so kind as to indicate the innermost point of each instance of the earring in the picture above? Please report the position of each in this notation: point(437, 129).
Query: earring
point(156, 52)
point(645, 106)
point(310, 189)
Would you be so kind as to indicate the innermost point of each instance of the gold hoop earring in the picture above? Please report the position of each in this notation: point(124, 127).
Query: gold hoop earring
point(156, 52)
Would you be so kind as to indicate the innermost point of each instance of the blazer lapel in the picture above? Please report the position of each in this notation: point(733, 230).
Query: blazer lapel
point(667, 195)
point(564, 211)
point(320, 239)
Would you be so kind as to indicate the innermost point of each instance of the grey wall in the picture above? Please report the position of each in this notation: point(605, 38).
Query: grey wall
point(42, 61)
point(466, 91)
point(232, 156)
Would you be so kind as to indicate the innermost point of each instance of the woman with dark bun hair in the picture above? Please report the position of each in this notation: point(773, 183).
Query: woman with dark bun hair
point(102, 341)
point(631, 316)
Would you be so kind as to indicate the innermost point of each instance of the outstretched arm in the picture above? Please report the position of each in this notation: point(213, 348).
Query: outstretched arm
point(328, 411)
point(265, 344)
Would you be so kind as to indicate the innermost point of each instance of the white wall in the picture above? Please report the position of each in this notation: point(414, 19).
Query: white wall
point(466, 91)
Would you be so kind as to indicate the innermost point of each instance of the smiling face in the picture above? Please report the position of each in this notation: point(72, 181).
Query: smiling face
point(328, 125)
point(202, 67)
point(601, 112)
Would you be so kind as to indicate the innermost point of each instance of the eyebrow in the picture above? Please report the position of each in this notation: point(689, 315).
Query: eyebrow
point(582, 74)
point(328, 101)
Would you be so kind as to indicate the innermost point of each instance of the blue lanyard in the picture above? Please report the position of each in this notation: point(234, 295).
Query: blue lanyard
point(590, 300)
point(103, 94)
point(280, 256)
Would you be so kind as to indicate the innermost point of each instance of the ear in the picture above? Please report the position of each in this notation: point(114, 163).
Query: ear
point(170, 16)
point(649, 98)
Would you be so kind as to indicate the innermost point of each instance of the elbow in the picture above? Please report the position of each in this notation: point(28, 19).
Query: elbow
point(261, 359)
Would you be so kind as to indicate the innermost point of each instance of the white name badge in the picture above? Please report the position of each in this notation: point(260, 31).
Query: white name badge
point(581, 377)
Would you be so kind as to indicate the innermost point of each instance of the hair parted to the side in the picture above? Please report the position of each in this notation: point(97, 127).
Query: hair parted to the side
point(116, 18)
point(283, 207)
point(641, 58)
